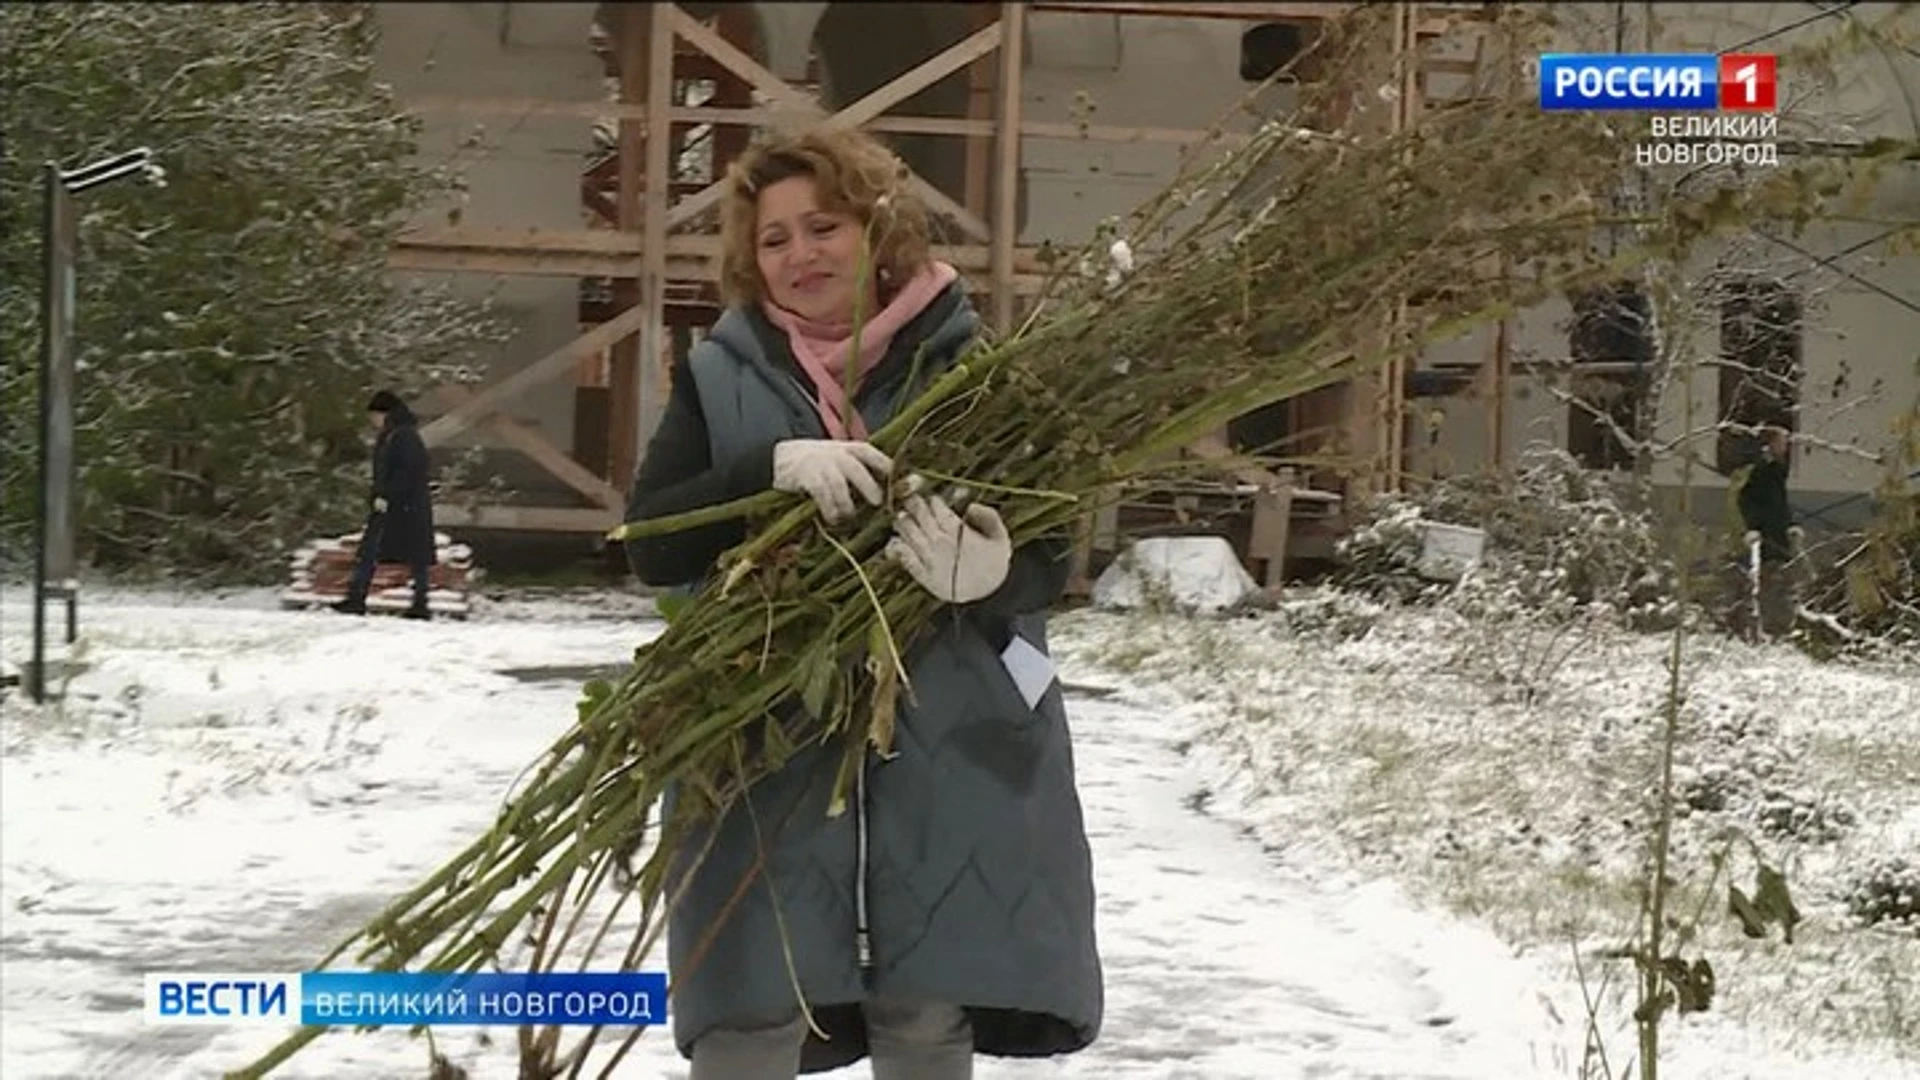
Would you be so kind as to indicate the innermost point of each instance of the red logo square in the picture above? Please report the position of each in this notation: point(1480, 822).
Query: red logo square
point(1748, 82)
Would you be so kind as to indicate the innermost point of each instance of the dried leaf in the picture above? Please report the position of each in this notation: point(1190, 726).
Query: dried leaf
point(821, 674)
point(1775, 902)
point(1770, 904)
point(850, 759)
point(740, 569)
point(886, 690)
point(1752, 923)
point(1705, 982)
point(776, 747)
point(1692, 983)
point(886, 703)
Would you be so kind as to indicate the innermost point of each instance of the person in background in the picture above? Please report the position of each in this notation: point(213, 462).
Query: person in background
point(1768, 518)
point(399, 526)
point(950, 910)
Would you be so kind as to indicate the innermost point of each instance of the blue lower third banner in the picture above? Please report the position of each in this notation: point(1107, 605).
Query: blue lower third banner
point(380, 998)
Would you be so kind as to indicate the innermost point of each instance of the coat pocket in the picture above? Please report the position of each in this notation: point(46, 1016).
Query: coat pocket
point(1018, 684)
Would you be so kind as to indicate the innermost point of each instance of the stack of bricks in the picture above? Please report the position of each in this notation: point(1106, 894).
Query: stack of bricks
point(322, 569)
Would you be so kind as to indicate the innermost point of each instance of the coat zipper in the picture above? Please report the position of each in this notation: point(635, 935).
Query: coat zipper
point(862, 939)
point(862, 936)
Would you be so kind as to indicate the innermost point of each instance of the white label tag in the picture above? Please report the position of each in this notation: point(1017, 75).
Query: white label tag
point(1032, 670)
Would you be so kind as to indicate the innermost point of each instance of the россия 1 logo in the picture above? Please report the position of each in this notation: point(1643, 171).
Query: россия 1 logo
point(1727, 101)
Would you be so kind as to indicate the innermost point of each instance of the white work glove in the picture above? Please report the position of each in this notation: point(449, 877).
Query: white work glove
point(379, 505)
point(829, 471)
point(958, 560)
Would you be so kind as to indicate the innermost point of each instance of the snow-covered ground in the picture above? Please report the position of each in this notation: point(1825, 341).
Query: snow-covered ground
point(1504, 771)
point(229, 786)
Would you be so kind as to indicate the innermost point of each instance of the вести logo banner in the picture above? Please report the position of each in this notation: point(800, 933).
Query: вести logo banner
point(369, 998)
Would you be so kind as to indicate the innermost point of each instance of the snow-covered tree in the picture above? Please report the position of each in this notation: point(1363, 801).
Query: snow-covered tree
point(233, 320)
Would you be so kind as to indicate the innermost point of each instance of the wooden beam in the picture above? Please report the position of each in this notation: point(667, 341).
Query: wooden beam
point(427, 259)
point(623, 371)
point(736, 61)
point(653, 351)
point(1406, 105)
point(1012, 40)
point(1500, 373)
point(1268, 537)
point(690, 258)
point(982, 109)
point(920, 76)
point(939, 202)
point(1116, 133)
point(741, 116)
point(1445, 17)
point(1500, 377)
point(556, 461)
point(518, 107)
point(454, 515)
point(681, 269)
point(468, 412)
point(1251, 12)
point(507, 238)
point(625, 249)
point(536, 446)
point(696, 204)
point(974, 257)
point(1214, 447)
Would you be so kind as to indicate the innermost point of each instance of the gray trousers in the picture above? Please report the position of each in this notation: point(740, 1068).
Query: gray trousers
point(908, 1041)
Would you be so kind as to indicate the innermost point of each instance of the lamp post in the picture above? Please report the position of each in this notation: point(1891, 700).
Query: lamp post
point(56, 573)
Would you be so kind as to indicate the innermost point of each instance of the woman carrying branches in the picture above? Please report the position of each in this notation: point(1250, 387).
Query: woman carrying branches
point(950, 910)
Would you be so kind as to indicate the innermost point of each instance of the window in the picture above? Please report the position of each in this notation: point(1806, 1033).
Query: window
point(1268, 47)
point(1760, 366)
point(1612, 348)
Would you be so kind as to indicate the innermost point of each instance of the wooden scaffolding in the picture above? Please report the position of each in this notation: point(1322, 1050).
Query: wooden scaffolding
point(689, 91)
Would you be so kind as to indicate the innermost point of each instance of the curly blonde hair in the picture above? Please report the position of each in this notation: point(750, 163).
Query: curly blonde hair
point(855, 175)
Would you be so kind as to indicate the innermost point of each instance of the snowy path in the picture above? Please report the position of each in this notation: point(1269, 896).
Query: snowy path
point(225, 815)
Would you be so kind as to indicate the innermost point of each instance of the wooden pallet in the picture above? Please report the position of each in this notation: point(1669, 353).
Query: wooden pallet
point(1268, 518)
point(321, 570)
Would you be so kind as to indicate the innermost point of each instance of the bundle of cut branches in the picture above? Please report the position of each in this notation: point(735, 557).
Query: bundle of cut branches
point(1285, 264)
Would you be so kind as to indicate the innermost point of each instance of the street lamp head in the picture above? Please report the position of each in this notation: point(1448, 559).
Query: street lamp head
point(109, 170)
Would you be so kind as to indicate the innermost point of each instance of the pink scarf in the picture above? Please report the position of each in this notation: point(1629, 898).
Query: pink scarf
point(822, 349)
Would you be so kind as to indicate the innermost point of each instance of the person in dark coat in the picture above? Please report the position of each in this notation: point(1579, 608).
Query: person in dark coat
point(399, 526)
point(1768, 517)
point(1764, 508)
point(950, 911)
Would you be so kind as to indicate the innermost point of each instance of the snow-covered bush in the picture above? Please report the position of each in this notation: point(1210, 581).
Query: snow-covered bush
point(1741, 766)
point(1332, 614)
point(1866, 599)
point(1795, 814)
point(1380, 556)
point(1560, 538)
point(1886, 893)
point(1862, 591)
